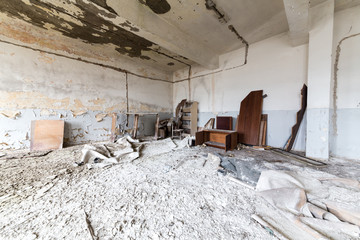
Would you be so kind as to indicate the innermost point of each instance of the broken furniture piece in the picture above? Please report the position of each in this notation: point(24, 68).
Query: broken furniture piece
point(224, 122)
point(223, 139)
point(249, 120)
point(186, 117)
point(163, 127)
point(177, 133)
point(210, 124)
point(190, 117)
point(299, 116)
point(136, 123)
point(47, 135)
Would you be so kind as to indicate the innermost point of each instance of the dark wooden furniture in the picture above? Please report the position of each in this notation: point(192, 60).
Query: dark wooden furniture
point(248, 122)
point(223, 139)
point(224, 122)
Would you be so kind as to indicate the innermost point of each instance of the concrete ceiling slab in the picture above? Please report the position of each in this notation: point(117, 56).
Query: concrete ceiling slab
point(165, 34)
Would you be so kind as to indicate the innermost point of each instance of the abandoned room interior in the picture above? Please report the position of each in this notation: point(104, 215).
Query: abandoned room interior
point(180, 119)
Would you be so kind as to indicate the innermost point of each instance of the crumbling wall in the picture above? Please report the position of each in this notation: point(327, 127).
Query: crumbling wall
point(38, 85)
point(346, 85)
point(272, 65)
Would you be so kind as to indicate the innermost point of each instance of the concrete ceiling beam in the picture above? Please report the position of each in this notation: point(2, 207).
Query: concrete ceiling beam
point(297, 13)
point(154, 28)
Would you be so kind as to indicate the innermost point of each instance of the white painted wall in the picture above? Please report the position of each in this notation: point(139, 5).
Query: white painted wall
point(346, 83)
point(46, 86)
point(273, 65)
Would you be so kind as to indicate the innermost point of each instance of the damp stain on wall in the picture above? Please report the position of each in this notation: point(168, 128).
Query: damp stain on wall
point(157, 6)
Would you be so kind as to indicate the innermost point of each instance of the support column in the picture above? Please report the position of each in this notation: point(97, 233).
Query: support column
point(319, 80)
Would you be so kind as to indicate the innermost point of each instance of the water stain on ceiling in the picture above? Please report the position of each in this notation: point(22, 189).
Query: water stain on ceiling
point(157, 6)
point(103, 4)
point(88, 26)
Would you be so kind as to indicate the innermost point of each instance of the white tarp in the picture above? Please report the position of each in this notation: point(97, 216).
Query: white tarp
point(305, 207)
point(101, 155)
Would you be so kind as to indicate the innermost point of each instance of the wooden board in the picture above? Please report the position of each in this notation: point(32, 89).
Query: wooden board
point(186, 118)
point(199, 138)
point(217, 137)
point(248, 122)
point(263, 126)
point(136, 123)
point(210, 124)
point(156, 135)
point(194, 118)
point(224, 122)
point(113, 127)
point(47, 135)
point(263, 142)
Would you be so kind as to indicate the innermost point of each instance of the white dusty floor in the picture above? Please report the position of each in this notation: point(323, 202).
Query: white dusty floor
point(165, 196)
point(167, 193)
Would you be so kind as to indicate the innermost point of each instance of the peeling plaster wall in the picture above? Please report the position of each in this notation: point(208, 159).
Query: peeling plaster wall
point(36, 85)
point(345, 129)
point(273, 65)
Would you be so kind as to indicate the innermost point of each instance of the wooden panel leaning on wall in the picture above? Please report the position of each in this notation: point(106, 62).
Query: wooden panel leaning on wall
point(47, 135)
point(248, 122)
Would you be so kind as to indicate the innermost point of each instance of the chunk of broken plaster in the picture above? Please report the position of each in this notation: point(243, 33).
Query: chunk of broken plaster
point(78, 113)
point(10, 114)
point(99, 117)
point(46, 112)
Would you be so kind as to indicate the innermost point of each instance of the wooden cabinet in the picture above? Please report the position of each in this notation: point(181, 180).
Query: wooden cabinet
point(223, 139)
point(190, 118)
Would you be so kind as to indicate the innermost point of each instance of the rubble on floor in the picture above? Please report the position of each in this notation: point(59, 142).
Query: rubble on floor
point(160, 195)
point(161, 190)
point(309, 206)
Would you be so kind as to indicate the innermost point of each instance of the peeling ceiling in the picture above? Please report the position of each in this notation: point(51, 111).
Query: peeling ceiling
point(165, 34)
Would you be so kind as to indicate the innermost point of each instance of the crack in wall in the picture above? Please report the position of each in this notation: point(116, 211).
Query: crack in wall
point(127, 99)
point(232, 28)
point(189, 82)
point(336, 69)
